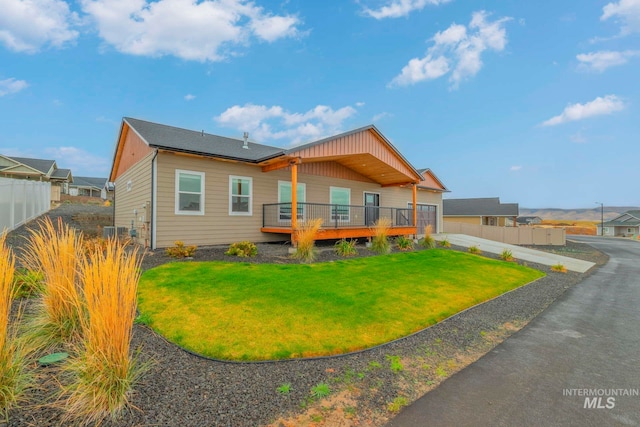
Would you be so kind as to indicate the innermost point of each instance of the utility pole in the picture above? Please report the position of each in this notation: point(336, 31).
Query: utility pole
point(601, 218)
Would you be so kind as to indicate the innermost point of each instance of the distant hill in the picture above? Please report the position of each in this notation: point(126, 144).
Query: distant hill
point(610, 212)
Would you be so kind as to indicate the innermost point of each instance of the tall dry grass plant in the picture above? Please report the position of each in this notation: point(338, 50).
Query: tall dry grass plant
point(305, 236)
point(380, 241)
point(55, 252)
point(104, 371)
point(428, 241)
point(14, 377)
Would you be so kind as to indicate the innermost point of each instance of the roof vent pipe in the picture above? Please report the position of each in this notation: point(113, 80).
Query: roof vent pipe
point(246, 141)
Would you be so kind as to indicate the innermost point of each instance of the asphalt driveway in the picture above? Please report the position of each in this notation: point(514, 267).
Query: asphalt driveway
point(576, 364)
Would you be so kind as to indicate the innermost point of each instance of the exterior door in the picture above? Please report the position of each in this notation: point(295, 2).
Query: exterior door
point(427, 215)
point(371, 208)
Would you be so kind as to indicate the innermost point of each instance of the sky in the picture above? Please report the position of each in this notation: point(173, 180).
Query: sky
point(535, 102)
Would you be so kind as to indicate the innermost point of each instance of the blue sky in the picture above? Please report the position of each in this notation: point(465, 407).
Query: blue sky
point(533, 101)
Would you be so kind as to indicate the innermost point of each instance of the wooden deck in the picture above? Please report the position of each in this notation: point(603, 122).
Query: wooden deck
point(344, 232)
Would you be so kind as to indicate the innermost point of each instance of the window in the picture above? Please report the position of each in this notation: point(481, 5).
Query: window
point(189, 193)
point(284, 196)
point(340, 199)
point(240, 195)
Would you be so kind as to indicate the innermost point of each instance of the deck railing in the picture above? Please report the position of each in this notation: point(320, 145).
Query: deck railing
point(335, 216)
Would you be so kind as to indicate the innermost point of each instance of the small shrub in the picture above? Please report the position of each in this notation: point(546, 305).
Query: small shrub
point(242, 249)
point(474, 250)
point(507, 255)
point(380, 242)
point(321, 390)
point(181, 251)
point(284, 388)
point(445, 242)
point(404, 243)
point(305, 236)
point(28, 283)
point(14, 377)
point(397, 404)
point(346, 247)
point(428, 242)
point(560, 268)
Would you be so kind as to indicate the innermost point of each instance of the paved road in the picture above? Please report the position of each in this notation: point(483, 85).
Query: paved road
point(588, 339)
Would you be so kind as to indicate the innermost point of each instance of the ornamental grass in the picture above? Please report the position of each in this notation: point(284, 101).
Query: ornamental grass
point(305, 236)
point(55, 252)
point(14, 377)
point(104, 371)
point(380, 242)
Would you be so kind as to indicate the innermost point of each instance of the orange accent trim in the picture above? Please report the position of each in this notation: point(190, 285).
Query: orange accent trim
point(415, 205)
point(281, 164)
point(294, 201)
point(399, 184)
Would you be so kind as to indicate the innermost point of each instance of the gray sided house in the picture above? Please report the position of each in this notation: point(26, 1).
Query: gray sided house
point(36, 170)
point(176, 184)
point(88, 186)
point(481, 211)
point(528, 220)
point(625, 225)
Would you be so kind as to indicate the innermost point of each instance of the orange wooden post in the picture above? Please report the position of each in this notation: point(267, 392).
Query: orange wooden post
point(415, 207)
point(294, 203)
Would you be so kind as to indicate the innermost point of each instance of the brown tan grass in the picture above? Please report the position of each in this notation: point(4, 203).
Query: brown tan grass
point(305, 236)
point(380, 242)
point(55, 252)
point(14, 378)
point(104, 371)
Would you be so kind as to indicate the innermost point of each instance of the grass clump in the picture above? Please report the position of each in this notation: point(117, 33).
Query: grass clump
point(445, 243)
point(305, 237)
point(28, 283)
point(14, 378)
point(284, 388)
point(395, 364)
point(428, 242)
point(507, 255)
point(380, 242)
point(181, 251)
point(397, 404)
point(560, 268)
point(104, 372)
point(346, 247)
point(474, 250)
point(55, 253)
point(404, 243)
point(320, 390)
point(242, 249)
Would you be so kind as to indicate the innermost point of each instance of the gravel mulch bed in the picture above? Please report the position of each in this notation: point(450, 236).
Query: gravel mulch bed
point(183, 389)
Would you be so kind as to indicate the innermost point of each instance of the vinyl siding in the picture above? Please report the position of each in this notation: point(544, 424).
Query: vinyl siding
point(464, 219)
point(216, 226)
point(140, 193)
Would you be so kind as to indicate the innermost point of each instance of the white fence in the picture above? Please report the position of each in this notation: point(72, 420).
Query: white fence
point(21, 201)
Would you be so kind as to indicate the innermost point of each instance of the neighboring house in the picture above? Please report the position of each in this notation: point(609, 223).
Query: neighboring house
point(88, 186)
point(482, 211)
point(627, 224)
point(36, 170)
point(528, 220)
point(175, 184)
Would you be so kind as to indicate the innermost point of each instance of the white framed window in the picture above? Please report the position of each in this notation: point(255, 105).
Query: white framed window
point(189, 192)
point(240, 195)
point(342, 198)
point(284, 196)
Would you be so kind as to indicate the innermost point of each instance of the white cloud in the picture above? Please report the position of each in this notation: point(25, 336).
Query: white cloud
point(80, 162)
point(201, 30)
point(600, 61)
point(12, 85)
point(515, 168)
point(598, 107)
point(189, 97)
point(360, 104)
point(399, 8)
point(625, 12)
point(29, 25)
point(271, 123)
point(457, 50)
point(381, 116)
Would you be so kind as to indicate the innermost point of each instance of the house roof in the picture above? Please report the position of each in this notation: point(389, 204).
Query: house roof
point(489, 206)
point(379, 161)
point(629, 218)
point(61, 174)
point(41, 165)
point(202, 143)
point(431, 181)
point(89, 182)
point(527, 219)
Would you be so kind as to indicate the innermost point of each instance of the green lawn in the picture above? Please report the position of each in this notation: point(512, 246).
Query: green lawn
point(240, 311)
